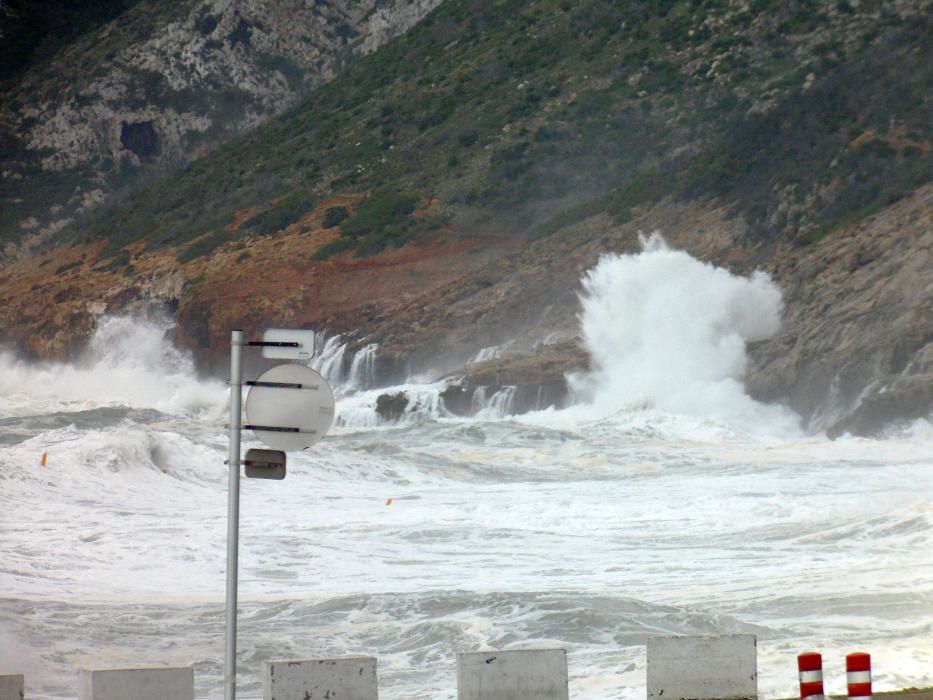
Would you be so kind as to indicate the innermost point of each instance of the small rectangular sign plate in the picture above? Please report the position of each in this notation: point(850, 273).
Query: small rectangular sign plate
point(305, 340)
point(265, 464)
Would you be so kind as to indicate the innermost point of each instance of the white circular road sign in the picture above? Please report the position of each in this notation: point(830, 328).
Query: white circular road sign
point(290, 407)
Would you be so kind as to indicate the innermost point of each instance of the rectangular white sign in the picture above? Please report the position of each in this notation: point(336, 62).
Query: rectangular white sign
point(305, 340)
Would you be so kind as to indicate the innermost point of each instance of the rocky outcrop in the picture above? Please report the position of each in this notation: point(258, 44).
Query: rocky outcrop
point(391, 407)
point(853, 353)
point(534, 380)
point(516, 383)
point(164, 84)
point(855, 347)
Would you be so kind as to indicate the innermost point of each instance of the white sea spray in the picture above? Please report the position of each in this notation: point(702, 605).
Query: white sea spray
point(669, 332)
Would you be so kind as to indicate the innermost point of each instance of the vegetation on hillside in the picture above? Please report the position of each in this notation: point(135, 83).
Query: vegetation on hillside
point(531, 115)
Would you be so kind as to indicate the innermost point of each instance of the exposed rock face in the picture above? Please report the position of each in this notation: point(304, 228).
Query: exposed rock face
point(856, 345)
point(247, 283)
point(164, 84)
point(523, 381)
point(391, 407)
point(855, 350)
point(537, 380)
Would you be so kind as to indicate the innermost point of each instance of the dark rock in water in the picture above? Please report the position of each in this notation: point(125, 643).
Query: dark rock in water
point(538, 379)
point(391, 407)
point(548, 393)
point(457, 400)
point(907, 398)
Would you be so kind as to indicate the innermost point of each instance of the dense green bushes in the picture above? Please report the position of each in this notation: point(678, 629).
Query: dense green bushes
point(204, 245)
point(281, 215)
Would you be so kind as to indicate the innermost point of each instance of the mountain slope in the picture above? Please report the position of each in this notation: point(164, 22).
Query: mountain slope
point(803, 115)
point(163, 84)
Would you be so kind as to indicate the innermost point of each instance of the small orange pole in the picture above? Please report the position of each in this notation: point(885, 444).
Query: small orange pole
point(45, 458)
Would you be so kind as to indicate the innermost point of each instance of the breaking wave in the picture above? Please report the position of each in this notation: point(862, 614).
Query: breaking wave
point(667, 331)
point(128, 362)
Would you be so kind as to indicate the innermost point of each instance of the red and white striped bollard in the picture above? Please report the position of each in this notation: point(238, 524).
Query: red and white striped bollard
point(858, 675)
point(810, 666)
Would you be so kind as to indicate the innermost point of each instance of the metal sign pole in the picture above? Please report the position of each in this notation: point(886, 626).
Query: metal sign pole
point(233, 510)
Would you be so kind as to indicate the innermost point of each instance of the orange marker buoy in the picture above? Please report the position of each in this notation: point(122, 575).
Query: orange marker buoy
point(45, 457)
point(388, 501)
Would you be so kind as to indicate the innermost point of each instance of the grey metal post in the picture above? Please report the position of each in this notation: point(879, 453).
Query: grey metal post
point(233, 510)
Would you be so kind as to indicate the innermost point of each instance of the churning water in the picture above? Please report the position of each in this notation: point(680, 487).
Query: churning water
point(665, 502)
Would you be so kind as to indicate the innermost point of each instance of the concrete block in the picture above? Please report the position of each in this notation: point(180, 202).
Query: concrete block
point(343, 678)
point(156, 683)
point(703, 668)
point(536, 674)
point(11, 686)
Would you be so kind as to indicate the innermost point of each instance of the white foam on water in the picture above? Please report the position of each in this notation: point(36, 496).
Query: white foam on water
point(128, 362)
point(329, 359)
point(499, 405)
point(363, 367)
point(357, 409)
point(645, 510)
point(106, 501)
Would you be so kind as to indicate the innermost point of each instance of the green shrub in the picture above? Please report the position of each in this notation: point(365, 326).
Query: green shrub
point(382, 210)
point(121, 259)
point(334, 216)
point(282, 215)
point(202, 246)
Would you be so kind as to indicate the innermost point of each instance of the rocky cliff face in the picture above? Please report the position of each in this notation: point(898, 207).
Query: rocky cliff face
point(163, 85)
point(853, 353)
point(856, 345)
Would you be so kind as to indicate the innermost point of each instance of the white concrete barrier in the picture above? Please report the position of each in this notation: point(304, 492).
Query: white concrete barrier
point(11, 686)
point(536, 674)
point(343, 678)
point(156, 683)
point(703, 668)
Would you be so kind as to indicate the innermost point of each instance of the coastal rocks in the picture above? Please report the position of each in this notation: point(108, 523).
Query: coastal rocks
point(904, 399)
point(526, 381)
point(853, 352)
point(391, 407)
point(513, 384)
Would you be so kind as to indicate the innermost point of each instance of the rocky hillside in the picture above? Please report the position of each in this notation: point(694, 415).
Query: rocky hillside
point(446, 192)
point(163, 84)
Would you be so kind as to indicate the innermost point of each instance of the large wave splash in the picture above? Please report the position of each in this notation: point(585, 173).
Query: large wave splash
point(667, 331)
point(127, 362)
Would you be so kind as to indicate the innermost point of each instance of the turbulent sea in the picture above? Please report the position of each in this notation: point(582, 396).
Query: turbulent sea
point(663, 502)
